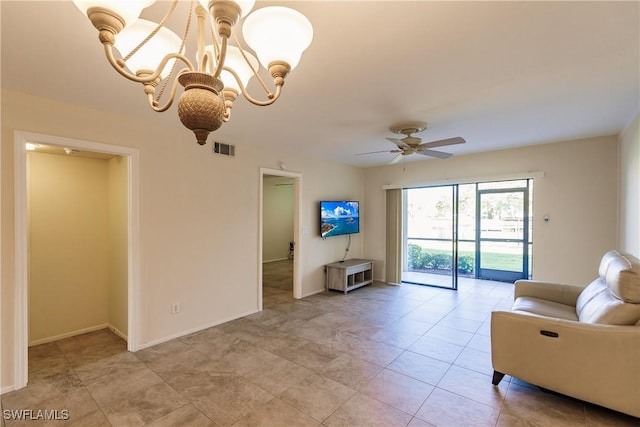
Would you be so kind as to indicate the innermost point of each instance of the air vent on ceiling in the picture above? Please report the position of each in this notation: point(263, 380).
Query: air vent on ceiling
point(224, 149)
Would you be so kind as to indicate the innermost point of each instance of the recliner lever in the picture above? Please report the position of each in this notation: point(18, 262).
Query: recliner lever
point(549, 334)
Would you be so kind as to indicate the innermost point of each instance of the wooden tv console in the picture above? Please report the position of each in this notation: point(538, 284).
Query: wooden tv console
point(349, 274)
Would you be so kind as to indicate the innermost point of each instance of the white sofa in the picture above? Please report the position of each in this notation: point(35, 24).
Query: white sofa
point(581, 342)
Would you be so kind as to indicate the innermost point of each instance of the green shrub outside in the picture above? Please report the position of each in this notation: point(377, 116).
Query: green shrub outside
point(437, 259)
point(422, 259)
point(466, 264)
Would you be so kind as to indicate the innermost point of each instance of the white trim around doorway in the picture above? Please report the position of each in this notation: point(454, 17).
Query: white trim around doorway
point(297, 212)
point(21, 314)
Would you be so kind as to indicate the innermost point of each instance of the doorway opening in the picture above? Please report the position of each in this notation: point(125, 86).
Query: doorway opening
point(279, 245)
point(40, 228)
point(478, 231)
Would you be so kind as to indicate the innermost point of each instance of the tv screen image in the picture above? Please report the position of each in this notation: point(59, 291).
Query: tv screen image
point(339, 217)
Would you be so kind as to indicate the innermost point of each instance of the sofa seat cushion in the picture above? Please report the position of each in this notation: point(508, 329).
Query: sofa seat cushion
point(540, 307)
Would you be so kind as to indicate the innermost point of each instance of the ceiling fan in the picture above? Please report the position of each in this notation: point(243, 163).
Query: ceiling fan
point(412, 145)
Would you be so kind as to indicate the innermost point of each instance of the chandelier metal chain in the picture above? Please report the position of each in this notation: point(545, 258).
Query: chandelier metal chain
point(161, 24)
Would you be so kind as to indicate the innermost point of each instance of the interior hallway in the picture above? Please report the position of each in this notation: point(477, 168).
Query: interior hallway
point(277, 282)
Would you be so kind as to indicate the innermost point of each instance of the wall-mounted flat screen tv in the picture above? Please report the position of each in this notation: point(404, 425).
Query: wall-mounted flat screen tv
point(339, 217)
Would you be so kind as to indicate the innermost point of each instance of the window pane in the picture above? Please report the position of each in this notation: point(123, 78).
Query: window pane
point(502, 216)
point(429, 213)
point(505, 256)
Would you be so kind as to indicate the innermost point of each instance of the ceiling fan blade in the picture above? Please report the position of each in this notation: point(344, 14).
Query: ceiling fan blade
point(434, 153)
point(443, 142)
point(396, 159)
point(376, 152)
point(400, 143)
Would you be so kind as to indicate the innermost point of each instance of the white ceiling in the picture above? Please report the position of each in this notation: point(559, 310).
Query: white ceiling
point(499, 74)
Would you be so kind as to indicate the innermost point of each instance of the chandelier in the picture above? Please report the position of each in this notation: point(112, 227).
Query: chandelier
point(149, 53)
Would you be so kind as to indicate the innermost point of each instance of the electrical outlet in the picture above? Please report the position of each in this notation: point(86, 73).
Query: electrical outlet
point(175, 308)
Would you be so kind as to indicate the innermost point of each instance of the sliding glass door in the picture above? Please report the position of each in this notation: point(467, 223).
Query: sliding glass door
point(472, 231)
point(430, 236)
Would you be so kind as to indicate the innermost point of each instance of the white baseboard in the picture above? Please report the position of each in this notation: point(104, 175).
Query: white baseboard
point(69, 334)
point(191, 331)
point(118, 332)
point(313, 293)
point(7, 389)
point(275, 260)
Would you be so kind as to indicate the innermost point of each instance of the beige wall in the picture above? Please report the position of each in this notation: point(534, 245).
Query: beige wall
point(578, 192)
point(277, 214)
point(68, 245)
point(630, 188)
point(198, 237)
point(117, 197)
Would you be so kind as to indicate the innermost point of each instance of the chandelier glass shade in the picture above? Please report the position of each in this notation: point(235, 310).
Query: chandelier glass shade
point(277, 34)
point(151, 54)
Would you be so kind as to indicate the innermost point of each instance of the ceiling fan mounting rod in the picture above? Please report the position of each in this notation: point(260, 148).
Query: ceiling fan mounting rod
point(408, 128)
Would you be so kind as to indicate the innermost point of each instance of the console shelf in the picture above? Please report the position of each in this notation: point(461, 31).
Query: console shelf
point(349, 274)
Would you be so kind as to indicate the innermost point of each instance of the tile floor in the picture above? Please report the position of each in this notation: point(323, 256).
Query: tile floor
point(378, 356)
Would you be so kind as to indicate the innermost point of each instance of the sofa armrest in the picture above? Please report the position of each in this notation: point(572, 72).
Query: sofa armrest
point(586, 361)
point(556, 292)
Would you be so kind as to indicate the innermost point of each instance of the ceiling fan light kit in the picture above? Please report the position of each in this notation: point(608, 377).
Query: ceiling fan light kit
point(151, 54)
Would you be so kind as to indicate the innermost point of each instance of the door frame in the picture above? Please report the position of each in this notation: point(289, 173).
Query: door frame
point(297, 221)
point(21, 313)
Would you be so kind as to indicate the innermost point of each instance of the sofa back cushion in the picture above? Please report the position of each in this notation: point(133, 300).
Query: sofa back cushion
point(614, 297)
point(623, 278)
point(605, 261)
